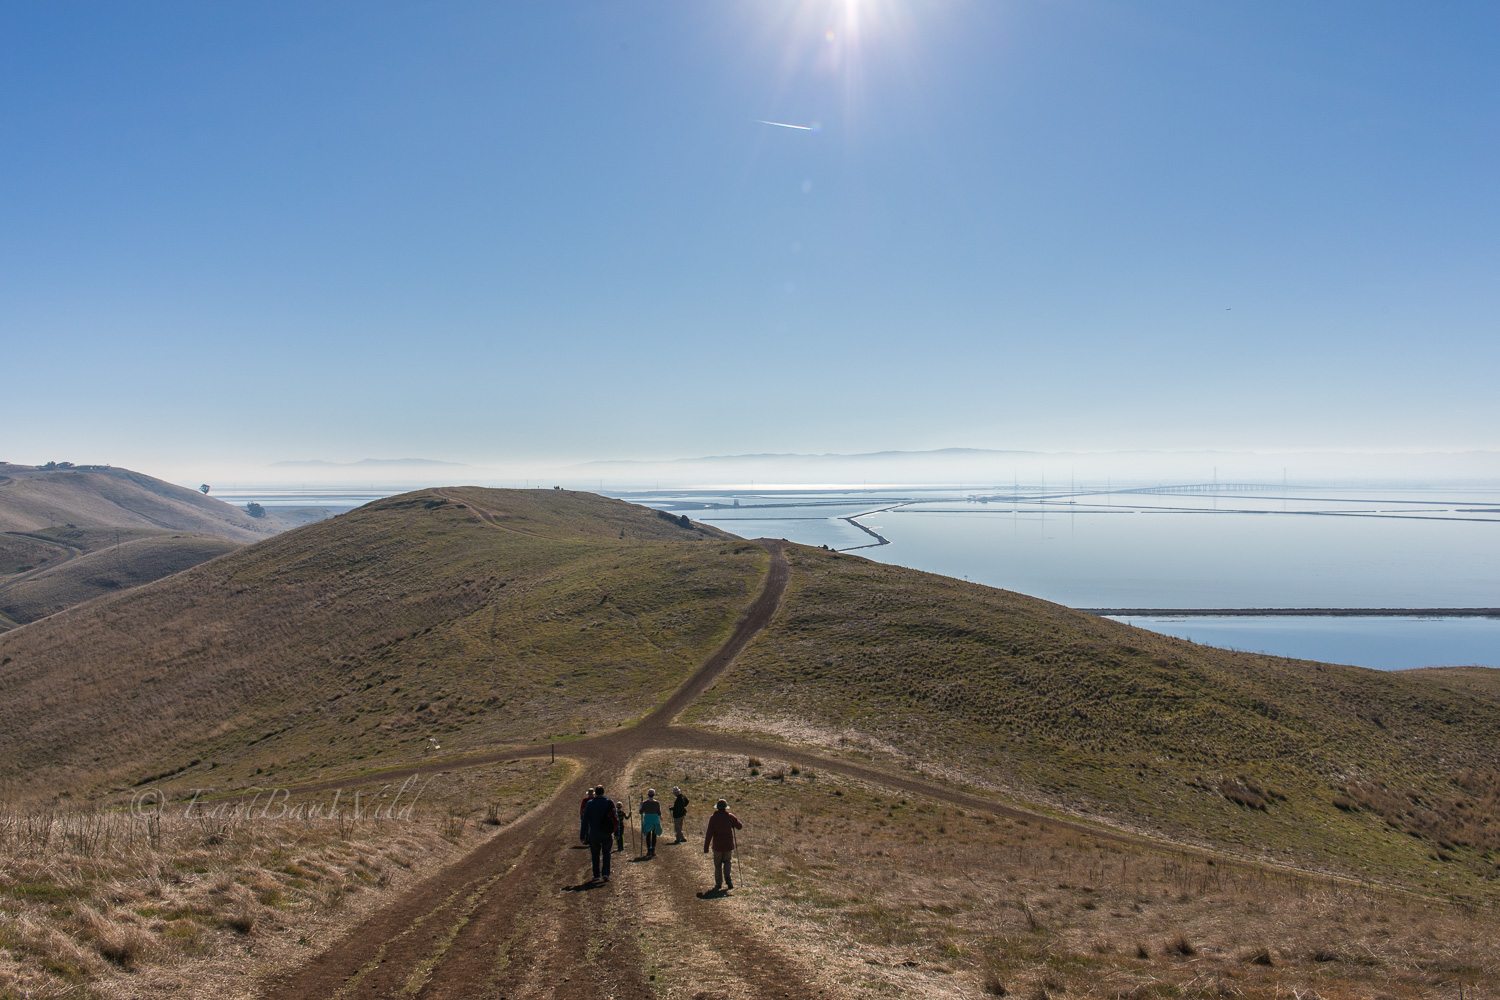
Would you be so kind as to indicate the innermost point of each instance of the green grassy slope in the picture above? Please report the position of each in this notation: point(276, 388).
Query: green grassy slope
point(1382, 774)
point(411, 621)
point(106, 571)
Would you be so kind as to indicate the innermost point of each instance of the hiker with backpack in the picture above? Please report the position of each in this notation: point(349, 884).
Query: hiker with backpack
point(679, 812)
point(597, 827)
point(720, 835)
point(650, 821)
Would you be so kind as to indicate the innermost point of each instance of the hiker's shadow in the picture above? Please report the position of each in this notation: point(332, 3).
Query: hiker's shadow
point(585, 886)
point(714, 894)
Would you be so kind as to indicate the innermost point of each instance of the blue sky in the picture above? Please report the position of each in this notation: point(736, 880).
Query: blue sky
point(492, 233)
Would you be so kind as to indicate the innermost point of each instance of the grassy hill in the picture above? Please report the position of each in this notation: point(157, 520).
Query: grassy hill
point(450, 620)
point(453, 619)
point(1391, 776)
point(133, 562)
point(33, 500)
point(447, 621)
point(56, 525)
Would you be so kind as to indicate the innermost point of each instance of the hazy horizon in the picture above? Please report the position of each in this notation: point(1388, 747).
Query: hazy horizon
point(955, 467)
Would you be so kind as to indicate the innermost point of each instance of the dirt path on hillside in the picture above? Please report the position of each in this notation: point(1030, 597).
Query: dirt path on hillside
point(517, 917)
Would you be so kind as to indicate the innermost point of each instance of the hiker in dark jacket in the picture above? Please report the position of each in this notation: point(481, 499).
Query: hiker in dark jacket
point(622, 813)
point(679, 811)
point(597, 827)
point(650, 821)
point(720, 836)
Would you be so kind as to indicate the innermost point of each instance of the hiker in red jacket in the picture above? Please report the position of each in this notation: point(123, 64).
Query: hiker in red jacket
point(720, 834)
point(588, 795)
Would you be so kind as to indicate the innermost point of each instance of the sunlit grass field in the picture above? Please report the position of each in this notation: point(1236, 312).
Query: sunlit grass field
point(189, 899)
point(891, 894)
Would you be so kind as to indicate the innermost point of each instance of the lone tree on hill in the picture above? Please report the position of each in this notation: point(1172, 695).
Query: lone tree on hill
point(254, 509)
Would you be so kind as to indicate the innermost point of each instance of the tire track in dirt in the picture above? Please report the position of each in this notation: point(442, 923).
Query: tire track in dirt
point(380, 956)
point(758, 966)
point(681, 875)
point(473, 965)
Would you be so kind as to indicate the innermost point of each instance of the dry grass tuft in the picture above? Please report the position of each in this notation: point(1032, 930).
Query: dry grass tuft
point(87, 898)
point(1180, 946)
point(242, 921)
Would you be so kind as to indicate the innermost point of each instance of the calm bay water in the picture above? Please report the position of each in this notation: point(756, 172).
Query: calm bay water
point(1198, 548)
point(1396, 643)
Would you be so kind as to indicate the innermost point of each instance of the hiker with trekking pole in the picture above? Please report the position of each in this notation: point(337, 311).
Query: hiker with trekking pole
point(650, 821)
point(679, 812)
point(720, 835)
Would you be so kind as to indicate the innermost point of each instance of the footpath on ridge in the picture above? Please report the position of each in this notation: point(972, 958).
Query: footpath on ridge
point(506, 919)
point(509, 919)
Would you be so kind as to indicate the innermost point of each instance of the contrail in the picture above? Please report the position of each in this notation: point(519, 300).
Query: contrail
point(804, 128)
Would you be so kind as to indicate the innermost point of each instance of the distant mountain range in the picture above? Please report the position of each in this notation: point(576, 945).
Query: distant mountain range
point(364, 463)
point(979, 465)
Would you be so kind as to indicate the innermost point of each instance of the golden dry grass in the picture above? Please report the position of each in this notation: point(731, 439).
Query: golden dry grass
point(193, 901)
point(105, 571)
point(33, 500)
point(883, 894)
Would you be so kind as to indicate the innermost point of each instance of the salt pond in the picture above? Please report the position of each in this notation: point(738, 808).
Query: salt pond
point(1199, 547)
point(1395, 643)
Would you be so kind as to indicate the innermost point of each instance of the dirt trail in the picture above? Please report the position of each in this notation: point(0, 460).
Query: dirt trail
point(515, 917)
point(70, 552)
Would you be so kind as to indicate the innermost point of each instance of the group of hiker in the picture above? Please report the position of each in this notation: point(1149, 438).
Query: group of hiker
point(602, 819)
